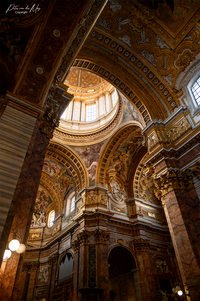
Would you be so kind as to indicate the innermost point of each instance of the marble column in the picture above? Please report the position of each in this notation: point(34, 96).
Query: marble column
point(182, 209)
point(147, 284)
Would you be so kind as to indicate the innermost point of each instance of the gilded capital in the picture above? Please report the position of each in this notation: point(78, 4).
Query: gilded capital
point(174, 180)
point(195, 169)
point(101, 236)
point(141, 244)
point(53, 259)
point(83, 237)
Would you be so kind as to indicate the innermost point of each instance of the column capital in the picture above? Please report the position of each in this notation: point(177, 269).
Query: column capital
point(173, 180)
point(53, 259)
point(33, 265)
point(195, 169)
point(75, 245)
point(83, 237)
point(101, 236)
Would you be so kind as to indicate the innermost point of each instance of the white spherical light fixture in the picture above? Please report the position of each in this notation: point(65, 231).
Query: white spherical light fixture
point(14, 245)
point(21, 249)
point(180, 293)
point(7, 254)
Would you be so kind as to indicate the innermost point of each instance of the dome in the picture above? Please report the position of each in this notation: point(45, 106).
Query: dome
point(95, 103)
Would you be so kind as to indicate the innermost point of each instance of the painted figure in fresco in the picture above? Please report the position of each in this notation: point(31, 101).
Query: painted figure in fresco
point(92, 170)
point(42, 201)
point(50, 167)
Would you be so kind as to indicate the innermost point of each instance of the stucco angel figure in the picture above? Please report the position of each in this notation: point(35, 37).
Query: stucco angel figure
point(34, 220)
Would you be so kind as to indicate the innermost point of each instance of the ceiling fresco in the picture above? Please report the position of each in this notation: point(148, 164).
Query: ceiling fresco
point(50, 167)
point(90, 156)
point(43, 200)
point(172, 13)
point(129, 112)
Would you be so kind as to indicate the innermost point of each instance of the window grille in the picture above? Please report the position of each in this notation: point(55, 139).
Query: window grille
point(196, 91)
point(90, 112)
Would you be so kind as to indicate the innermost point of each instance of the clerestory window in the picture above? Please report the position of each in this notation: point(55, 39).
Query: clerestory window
point(196, 91)
point(51, 218)
point(90, 112)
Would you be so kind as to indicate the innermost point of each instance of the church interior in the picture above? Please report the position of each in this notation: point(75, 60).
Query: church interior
point(100, 150)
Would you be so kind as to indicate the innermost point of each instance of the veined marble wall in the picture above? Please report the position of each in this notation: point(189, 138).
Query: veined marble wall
point(16, 129)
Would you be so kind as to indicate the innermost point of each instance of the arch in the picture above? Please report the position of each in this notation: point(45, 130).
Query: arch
point(68, 204)
point(126, 131)
point(69, 159)
point(65, 269)
point(131, 74)
point(115, 245)
point(51, 218)
point(123, 275)
point(46, 185)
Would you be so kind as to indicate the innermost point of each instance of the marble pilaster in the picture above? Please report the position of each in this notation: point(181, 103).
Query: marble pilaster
point(101, 238)
point(182, 210)
point(147, 285)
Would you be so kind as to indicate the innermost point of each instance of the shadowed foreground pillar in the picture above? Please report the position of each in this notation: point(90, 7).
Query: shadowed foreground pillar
point(182, 210)
point(20, 214)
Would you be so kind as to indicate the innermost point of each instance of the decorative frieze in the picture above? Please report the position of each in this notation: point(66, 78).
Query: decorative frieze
point(178, 130)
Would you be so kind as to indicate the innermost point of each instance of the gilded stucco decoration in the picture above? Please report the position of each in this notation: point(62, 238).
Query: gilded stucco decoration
point(178, 129)
point(117, 158)
point(146, 187)
point(162, 47)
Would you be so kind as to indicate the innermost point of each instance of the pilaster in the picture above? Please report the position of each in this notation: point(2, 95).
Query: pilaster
point(182, 209)
point(145, 269)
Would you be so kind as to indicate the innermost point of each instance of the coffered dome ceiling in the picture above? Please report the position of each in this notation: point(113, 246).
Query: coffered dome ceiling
point(79, 79)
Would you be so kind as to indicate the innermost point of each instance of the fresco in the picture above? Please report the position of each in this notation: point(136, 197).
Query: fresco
point(50, 167)
point(173, 13)
point(129, 112)
point(43, 200)
point(90, 156)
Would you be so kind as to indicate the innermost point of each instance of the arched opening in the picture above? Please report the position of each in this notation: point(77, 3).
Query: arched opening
point(64, 287)
point(65, 273)
point(51, 218)
point(123, 276)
